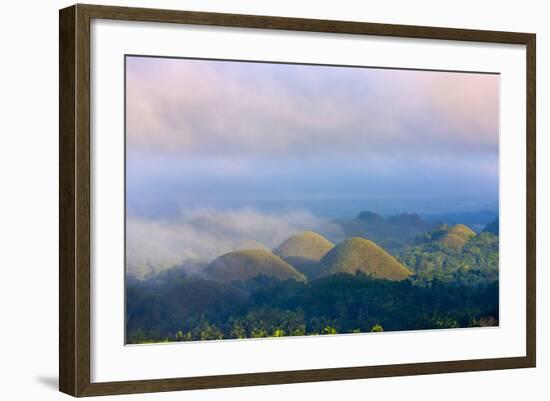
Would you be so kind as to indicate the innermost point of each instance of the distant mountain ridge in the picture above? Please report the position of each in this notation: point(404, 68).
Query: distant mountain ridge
point(475, 220)
point(394, 232)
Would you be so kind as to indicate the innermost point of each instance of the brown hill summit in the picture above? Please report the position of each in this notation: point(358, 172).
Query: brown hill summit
point(308, 244)
point(250, 263)
point(359, 254)
point(457, 236)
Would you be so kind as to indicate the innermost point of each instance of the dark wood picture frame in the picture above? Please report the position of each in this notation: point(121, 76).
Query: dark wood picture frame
point(74, 199)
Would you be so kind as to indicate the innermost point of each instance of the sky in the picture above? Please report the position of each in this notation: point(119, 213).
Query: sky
point(241, 134)
point(220, 154)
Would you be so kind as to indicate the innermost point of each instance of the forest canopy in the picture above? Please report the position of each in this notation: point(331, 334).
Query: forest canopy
point(451, 284)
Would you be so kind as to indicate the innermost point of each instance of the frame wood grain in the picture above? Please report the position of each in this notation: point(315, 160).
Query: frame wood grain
point(74, 199)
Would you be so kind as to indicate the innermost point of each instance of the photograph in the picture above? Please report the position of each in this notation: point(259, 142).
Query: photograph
point(271, 199)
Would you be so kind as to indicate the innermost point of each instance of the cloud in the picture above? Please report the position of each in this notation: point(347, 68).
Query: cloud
point(209, 108)
point(204, 234)
point(279, 137)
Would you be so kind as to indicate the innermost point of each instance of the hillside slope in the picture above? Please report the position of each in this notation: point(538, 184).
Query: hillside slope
point(361, 255)
point(308, 245)
point(250, 263)
point(457, 236)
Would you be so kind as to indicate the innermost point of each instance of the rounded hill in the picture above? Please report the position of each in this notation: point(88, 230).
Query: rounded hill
point(361, 255)
point(457, 236)
point(462, 231)
point(308, 244)
point(246, 264)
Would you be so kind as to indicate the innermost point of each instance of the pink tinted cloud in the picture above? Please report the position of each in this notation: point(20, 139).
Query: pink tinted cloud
point(192, 107)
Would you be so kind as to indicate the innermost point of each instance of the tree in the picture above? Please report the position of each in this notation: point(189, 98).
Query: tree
point(329, 330)
point(278, 333)
point(377, 329)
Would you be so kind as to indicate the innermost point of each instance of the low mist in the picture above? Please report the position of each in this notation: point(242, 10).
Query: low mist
point(201, 235)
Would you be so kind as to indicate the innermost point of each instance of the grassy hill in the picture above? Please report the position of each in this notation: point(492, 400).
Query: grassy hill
point(359, 254)
point(304, 251)
point(457, 236)
point(308, 244)
point(246, 264)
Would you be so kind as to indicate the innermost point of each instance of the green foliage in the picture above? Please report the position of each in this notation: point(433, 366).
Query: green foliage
point(340, 303)
point(474, 263)
point(329, 330)
point(181, 336)
point(278, 333)
point(237, 329)
point(377, 329)
point(204, 330)
point(258, 333)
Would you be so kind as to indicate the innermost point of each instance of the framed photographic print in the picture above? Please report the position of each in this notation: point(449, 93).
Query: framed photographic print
point(250, 200)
